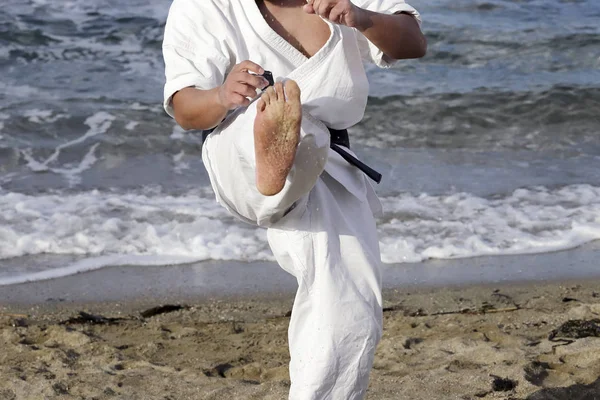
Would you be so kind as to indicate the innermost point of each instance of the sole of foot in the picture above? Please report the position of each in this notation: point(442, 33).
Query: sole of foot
point(276, 135)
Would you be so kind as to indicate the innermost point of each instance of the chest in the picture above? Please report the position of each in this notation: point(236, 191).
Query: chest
point(308, 33)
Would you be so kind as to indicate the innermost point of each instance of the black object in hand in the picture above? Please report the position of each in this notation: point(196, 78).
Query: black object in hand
point(269, 77)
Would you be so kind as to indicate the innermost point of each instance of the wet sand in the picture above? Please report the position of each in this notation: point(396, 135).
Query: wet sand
point(496, 341)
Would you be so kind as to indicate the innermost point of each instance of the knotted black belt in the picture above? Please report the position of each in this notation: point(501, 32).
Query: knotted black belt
point(339, 138)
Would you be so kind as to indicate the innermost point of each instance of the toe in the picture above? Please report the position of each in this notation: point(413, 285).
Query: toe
point(260, 104)
point(269, 95)
point(279, 91)
point(265, 98)
point(292, 90)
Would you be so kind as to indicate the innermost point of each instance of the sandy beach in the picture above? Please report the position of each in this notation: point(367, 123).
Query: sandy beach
point(509, 341)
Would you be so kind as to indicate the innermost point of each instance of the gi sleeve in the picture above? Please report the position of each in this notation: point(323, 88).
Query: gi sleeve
point(193, 54)
point(369, 52)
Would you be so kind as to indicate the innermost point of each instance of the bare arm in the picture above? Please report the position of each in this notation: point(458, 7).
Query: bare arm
point(205, 109)
point(398, 36)
point(198, 109)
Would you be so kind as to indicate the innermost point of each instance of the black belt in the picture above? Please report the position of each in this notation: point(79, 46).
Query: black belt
point(339, 138)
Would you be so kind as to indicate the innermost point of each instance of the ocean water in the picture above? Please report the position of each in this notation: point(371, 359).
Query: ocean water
point(489, 145)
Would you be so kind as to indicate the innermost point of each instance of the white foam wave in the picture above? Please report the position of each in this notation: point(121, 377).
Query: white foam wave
point(535, 220)
point(38, 116)
point(185, 228)
point(24, 92)
point(131, 125)
point(146, 107)
point(179, 164)
point(178, 133)
point(94, 263)
point(72, 173)
point(153, 228)
point(98, 124)
point(3, 117)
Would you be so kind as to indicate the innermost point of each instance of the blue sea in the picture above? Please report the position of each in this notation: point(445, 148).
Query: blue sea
point(488, 146)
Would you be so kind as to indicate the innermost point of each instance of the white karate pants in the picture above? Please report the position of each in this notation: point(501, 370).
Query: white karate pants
point(322, 230)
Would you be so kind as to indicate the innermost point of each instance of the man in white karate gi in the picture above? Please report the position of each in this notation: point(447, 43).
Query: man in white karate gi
point(271, 161)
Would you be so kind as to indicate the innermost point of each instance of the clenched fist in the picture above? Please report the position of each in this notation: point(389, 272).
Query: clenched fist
point(341, 12)
point(241, 85)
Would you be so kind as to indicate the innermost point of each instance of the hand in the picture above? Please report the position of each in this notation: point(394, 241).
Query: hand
point(240, 85)
point(341, 12)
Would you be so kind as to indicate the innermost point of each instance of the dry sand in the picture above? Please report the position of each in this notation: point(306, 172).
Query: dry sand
point(480, 342)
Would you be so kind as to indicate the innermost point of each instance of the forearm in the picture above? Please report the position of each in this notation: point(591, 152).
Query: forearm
point(198, 109)
point(397, 35)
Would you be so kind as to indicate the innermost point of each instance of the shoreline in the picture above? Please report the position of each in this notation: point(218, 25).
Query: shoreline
point(233, 280)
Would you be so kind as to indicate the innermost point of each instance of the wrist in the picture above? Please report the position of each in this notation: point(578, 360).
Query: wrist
point(220, 99)
point(363, 19)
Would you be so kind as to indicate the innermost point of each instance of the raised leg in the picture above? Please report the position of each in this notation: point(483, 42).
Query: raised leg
point(266, 159)
point(276, 135)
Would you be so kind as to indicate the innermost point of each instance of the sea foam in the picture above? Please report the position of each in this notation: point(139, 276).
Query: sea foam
point(153, 228)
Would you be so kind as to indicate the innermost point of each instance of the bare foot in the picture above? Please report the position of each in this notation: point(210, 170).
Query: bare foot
point(276, 135)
